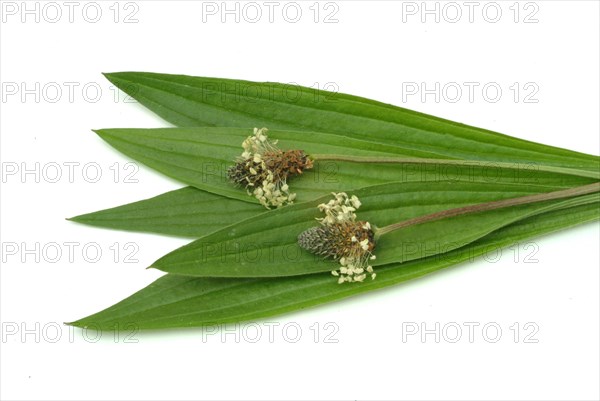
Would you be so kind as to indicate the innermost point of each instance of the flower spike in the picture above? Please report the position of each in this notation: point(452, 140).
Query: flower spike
point(263, 169)
point(343, 238)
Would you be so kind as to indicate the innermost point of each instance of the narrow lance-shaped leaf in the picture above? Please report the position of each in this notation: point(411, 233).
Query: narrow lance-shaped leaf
point(200, 157)
point(266, 245)
point(198, 101)
point(186, 212)
point(180, 301)
point(193, 213)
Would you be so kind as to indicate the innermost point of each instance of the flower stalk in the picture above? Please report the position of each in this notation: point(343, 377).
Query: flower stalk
point(487, 206)
point(451, 162)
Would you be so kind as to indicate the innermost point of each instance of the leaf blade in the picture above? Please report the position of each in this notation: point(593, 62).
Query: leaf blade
point(200, 157)
point(266, 245)
point(185, 212)
point(202, 101)
point(179, 301)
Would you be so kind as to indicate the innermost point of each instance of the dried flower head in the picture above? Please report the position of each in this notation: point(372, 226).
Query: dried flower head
point(343, 238)
point(263, 169)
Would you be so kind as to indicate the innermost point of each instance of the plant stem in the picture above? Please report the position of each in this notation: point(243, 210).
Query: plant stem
point(482, 207)
point(467, 163)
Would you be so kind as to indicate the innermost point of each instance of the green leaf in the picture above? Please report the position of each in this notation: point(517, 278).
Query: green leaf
point(186, 212)
point(265, 245)
point(200, 157)
point(197, 101)
point(180, 301)
point(196, 213)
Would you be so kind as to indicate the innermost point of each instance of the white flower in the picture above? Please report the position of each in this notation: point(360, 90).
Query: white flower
point(340, 209)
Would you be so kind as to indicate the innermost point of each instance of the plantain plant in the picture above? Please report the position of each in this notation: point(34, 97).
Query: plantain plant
point(265, 225)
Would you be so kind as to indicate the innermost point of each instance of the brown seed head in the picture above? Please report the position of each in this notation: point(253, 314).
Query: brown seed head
point(251, 173)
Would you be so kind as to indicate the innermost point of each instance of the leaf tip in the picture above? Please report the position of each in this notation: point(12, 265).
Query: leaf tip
point(77, 219)
point(86, 324)
point(117, 78)
point(109, 75)
point(99, 132)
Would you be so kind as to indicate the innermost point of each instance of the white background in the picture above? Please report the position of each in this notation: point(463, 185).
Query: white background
point(374, 50)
